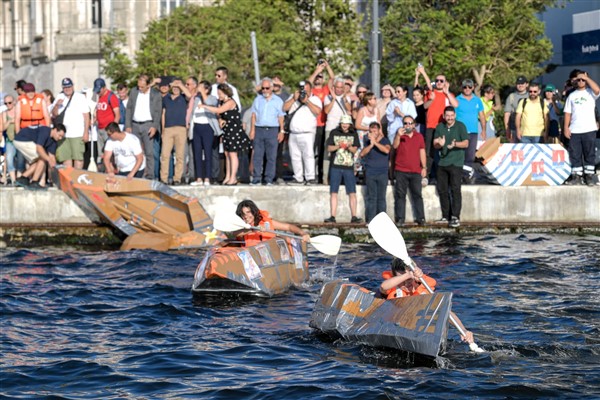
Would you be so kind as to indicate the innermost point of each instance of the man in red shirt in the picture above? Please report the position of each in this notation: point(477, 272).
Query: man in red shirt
point(107, 111)
point(409, 170)
point(321, 91)
point(439, 98)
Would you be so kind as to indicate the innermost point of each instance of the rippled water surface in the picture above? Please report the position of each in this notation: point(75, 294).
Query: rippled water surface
point(108, 324)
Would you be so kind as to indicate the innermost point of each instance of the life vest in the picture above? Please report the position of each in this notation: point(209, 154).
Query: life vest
point(255, 237)
point(403, 291)
point(32, 112)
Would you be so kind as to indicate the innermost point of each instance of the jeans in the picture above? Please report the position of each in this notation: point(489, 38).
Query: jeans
point(203, 145)
point(376, 190)
point(531, 139)
point(9, 153)
point(265, 144)
point(407, 182)
point(448, 187)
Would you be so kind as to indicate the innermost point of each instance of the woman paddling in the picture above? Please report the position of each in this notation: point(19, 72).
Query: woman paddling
point(250, 213)
point(402, 282)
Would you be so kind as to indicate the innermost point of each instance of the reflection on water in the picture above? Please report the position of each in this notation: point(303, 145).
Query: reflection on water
point(126, 325)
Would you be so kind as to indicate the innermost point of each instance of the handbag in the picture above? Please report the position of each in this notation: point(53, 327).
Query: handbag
point(61, 117)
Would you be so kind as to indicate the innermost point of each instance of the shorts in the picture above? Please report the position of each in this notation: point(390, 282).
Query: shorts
point(70, 149)
point(28, 149)
point(335, 180)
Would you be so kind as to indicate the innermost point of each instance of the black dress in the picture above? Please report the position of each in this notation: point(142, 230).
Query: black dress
point(234, 137)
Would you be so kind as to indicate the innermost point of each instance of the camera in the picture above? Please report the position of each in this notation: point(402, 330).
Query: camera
point(321, 61)
point(303, 93)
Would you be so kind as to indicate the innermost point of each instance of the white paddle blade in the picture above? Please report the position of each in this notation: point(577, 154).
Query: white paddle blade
point(388, 237)
point(92, 167)
point(476, 349)
point(227, 222)
point(327, 244)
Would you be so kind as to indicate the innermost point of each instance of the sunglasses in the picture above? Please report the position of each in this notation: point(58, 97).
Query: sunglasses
point(409, 123)
point(8, 102)
point(266, 88)
point(440, 80)
point(533, 92)
point(467, 87)
point(578, 80)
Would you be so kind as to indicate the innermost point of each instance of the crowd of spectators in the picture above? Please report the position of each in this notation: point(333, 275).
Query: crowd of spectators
point(328, 130)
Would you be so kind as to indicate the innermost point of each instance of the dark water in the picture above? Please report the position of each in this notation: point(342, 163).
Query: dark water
point(80, 324)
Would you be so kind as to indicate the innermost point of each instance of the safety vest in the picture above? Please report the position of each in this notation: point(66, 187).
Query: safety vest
point(256, 237)
point(32, 111)
point(404, 291)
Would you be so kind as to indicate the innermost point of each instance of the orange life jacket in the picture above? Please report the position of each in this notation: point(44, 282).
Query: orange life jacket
point(255, 237)
point(403, 291)
point(32, 111)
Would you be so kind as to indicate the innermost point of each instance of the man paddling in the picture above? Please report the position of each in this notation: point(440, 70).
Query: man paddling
point(402, 282)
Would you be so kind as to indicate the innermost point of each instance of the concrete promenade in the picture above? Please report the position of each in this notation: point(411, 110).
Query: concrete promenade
point(482, 204)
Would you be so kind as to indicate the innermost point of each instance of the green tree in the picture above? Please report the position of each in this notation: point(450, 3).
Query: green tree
point(490, 41)
point(117, 65)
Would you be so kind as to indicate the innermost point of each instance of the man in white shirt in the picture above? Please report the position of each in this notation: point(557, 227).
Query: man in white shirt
point(303, 127)
point(76, 119)
point(221, 75)
point(129, 157)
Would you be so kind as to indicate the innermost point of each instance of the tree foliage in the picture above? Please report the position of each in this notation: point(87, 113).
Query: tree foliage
point(489, 41)
point(291, 36)
point(117, 65)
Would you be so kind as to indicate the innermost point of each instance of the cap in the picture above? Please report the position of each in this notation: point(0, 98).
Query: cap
point(346, 119)
point(521, 79)
point(277, 81)
point(467, 82)
point(388, 87)
point(67, 82)
point(99, 84)
point(165, 80)
point(550, 88)
point(28, 88)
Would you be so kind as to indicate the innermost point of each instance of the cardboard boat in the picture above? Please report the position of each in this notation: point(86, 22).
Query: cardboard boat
point(149, 213)
point(266, 269)
point(417, 324)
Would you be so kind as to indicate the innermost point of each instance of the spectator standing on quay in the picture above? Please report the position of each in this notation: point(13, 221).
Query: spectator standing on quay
point(488, 111)
point(410, 167)
point(419, 100)
point(361, 90)
point(387, 95)
point(38, 146)
point(336, 105)
point(365, 116)
point(234, 137)
point(451, 138)
point(342, 144)
point(397, 109)
point(128, 155)
point(204, 131)
point(304, 109)
point(7, 128)
point(581, 127)
point(278, 90)
point(174, 133)
point(555, 109)
point(532, 117)
point(510, 109)
point(322, 91)
point(266, 130)
point(375, 153)
point(470, 113)
point(107, 110)
point(440, 97)
point(144, 111)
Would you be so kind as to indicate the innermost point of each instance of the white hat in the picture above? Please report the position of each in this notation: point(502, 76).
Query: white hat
point(346, 119)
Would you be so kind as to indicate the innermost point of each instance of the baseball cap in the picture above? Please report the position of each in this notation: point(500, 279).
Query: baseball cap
point(467, 82)
point(28, 88)
point(67, 82)
point(346, 119)
point(521, 79)
point(550, 88)
point(99, 84)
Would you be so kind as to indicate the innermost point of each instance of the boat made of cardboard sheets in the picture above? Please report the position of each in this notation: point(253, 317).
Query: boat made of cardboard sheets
point(416, 324)
point(150, 214)
point(265, 269)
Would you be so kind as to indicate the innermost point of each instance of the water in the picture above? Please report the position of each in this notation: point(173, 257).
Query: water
point(81, 324)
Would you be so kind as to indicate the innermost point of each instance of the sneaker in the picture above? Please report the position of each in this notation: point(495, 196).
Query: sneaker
point(421, 222)
point(575, 180)
point(424, 182)
point(270, 184)
point(356, 220)
point(330, 220)
point(36, 186)
point(197, 183)
point(22, 181)
point(254, 183)
point(311, 182)
point(590, 179)
point(294, 182)
point(441, 221)
point(454, 223)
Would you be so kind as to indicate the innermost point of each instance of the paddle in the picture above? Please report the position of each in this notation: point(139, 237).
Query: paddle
point(389, 238)
point(227, 222)
point(92, 167)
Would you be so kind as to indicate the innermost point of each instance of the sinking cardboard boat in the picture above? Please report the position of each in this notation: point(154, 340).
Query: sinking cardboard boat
point(417, 324)
point(524, 164)
point(266, 269)
point(149, 213)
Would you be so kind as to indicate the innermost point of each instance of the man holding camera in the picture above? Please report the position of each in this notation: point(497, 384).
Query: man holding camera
point(303, 109)
point(322, 91)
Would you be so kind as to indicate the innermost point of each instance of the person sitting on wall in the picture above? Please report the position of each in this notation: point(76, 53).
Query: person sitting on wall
point(253, 216)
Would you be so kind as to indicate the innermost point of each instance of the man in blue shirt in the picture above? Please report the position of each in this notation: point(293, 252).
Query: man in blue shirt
point(266, 131)
point(470, 112)
point(174, 132)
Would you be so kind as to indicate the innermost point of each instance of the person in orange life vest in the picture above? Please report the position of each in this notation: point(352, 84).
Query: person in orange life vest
point(249, 212)
point(402, 282)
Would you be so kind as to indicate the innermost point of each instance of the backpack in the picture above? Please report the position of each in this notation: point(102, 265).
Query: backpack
point(122, 109)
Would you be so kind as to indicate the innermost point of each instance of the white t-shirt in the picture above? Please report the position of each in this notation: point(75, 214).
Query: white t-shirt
point(304, 121)
point(336, 112)
point(141, 111)
point(235, 96)
point(73, 120)
point(580, 104)
point(125, 152)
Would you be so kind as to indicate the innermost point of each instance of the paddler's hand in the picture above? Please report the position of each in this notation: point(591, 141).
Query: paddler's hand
point(417, 274)
point(306, 237)
point(468, 337)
